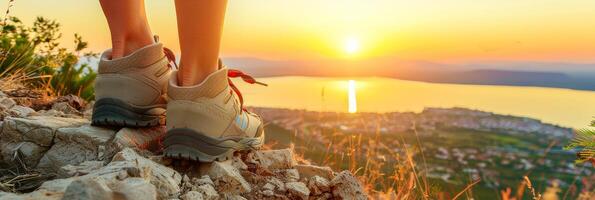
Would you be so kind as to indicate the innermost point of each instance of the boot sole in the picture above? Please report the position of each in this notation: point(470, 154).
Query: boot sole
point(115, 112)
point(187, 144)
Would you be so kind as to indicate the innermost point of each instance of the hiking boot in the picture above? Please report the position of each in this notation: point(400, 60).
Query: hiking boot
point(131, 91)
point(207, 122)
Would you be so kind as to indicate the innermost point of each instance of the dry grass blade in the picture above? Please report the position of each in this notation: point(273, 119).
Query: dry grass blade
point(469, 186)
point(536, 196)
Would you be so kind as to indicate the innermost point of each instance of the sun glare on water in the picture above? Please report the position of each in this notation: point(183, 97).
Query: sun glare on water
point(351, 97)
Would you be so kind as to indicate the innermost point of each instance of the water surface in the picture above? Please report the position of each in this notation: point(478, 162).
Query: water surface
point(571, 108)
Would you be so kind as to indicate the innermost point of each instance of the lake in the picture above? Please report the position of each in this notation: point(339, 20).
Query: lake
point(565, 107)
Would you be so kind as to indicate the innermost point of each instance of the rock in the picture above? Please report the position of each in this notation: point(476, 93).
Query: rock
point(298, 189)
point(76, 145)
point(204, 180)
point(90, 189)
point(142, 138)
point(38, 194)
point(28, 151)
point(308, 171)
point(324, 196)
point(6, 103)
point(96, 188)
point(192, 195)
point(80, 169)
point(238, 163)
point(276, 159)
point(227, 178)
point(207, 191)
point(289, 175)
point(51, 113)
point(318, 185)
point(165, 179)
point(34, 134)
point(134, 189)
point(65, 108)
point(346, 186)
point(73, 101)
point(268, 193)
point(277, 183)
point(268, 186)
point(232, 197)
point(20, 111)
point(37, 129)
point(88, 110)
point(57, 186)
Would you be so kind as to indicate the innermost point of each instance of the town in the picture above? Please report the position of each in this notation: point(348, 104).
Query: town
point(498, 149)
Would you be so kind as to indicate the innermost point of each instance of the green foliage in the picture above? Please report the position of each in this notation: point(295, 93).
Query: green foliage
point(584, 141)
point(36, 53)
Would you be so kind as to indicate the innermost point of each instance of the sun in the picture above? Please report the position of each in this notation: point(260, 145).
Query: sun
point(351, 45)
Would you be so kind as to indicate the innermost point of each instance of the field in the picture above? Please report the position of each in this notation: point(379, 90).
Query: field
point(445, 158)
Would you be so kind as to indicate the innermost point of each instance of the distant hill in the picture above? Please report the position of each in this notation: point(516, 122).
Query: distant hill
point(513, 78)
point(555, 75)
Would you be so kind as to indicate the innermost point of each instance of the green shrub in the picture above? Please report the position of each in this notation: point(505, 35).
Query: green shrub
point(584, 141)
point(35, 53)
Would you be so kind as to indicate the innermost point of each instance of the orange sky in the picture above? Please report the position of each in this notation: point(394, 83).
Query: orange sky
point(446, 31)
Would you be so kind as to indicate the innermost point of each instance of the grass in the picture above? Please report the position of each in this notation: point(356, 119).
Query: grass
point(31, 57)
point(396, 165)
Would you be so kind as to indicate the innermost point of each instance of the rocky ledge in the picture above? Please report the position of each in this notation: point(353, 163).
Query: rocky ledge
point(54, 153)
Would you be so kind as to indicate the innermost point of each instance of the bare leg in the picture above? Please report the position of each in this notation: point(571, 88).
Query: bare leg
point(200, 24)
point(128, 25)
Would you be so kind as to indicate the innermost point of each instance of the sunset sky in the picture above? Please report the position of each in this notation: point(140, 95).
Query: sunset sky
point(444, 31)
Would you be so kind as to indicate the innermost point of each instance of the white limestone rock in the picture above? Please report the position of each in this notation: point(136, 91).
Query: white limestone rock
point(134, 189)
point(142, 138)
point(318, 185)
point(203, 180)
point(65, 108)
point(81, 169)
point(192, 195)
point(20, 111)
point(228, 179)
point(276, 159)
point(346, 186)
point(298, 189)
point(207, 191)
point(31, 137)
point(75, 145)
point(308, 171)
point(166, 180)
point(88, 189)
point(288, 175)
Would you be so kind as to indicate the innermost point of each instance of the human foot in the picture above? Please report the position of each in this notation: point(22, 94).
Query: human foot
point(207, 122)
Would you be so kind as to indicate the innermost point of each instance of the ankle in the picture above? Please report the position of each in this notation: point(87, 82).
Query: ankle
point(192, 75)
point(125, 45)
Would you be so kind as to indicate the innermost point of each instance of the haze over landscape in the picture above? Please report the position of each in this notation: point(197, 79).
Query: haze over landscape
point(427, 99)
point(455, 41)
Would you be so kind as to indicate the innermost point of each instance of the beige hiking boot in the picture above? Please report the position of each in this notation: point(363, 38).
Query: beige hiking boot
point(207, 122)
point(131, 91)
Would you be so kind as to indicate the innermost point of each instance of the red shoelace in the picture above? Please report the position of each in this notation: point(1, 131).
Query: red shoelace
point(231, 73)
point(170, 56)
point(234, 73)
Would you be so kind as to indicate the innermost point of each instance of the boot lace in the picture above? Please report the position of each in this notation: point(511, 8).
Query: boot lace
point(231, 73)
point(234, 73)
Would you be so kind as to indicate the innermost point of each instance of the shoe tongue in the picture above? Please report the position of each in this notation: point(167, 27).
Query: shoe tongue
point(213, 85)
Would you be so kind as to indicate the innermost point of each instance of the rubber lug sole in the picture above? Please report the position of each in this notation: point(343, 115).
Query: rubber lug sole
point(187, 144)
point(115, 112)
